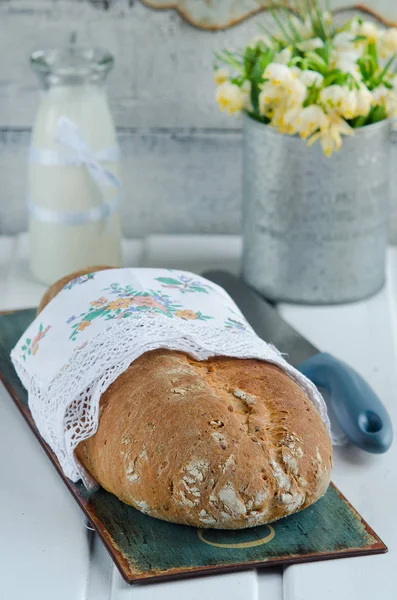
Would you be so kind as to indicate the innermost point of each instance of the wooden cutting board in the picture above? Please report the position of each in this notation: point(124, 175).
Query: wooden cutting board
point(145, 549)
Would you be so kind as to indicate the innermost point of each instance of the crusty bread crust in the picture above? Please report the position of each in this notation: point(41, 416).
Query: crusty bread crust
point(222, 443)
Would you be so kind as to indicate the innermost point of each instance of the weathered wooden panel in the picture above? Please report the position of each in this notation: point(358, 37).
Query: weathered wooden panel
point(163, 71)
point(182, 156)
point(177, 181)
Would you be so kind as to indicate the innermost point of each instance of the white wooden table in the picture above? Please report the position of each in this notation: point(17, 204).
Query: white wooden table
point(45, 551)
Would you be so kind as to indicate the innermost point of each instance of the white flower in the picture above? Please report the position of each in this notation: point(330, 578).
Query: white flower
point(270, 96)
point(369, 30)
point(311, 44)
point(388, 42)
point(277, 115)
point(328, 18)
point(347, 63)
point(291, 120)
point(295, 71)
point(310, 78)
point(330, 140)
point(296, 91)
point(331, 136)
point(229, 97)
point(221, 75)
point(310, 119)
point(287, 83)
point(331, 96)
point(387, 98)
point(285, 119)
point(364, 101)
point(380, 94)
point(343, 41)
point(344, 55)
point(277, 74)
point(284, 56)
point(348, 103)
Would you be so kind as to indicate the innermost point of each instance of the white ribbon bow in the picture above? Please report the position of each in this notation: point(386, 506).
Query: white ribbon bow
point(71, 137)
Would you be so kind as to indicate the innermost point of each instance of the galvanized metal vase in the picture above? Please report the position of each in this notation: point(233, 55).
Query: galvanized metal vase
point(315, 228)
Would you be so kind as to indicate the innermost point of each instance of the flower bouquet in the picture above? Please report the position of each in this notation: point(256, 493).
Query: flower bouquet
point(309, 77)
point(315, 229)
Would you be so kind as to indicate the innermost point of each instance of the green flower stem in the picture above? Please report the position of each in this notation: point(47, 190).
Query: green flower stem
point(282, 28)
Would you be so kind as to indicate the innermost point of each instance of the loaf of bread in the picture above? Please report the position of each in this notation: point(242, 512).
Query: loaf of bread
point(222, 443)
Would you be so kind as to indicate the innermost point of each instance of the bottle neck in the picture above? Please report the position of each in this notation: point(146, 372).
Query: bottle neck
point(50, 81)
point(71, 67)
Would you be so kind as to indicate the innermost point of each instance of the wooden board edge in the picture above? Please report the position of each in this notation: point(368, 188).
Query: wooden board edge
point(173, 5)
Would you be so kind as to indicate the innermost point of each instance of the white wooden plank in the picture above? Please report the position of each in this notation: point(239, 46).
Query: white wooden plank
point(99, 583)
point(270, 583)
point(233, 586)
point(365, 335)
point(7, 246)
point(132, 253)
point(45, 553)
point(196, 253)
point(174, 181)
point(22, 290)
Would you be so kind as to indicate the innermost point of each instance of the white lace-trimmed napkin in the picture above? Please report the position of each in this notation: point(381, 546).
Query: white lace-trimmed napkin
point(99, 323)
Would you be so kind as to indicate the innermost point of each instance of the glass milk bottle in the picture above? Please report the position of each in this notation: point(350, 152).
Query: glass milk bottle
point(74, 186)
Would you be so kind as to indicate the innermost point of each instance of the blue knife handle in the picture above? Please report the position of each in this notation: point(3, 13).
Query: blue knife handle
point(358, 410)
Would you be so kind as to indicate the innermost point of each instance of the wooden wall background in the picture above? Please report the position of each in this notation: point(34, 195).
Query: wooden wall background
point(182, 157)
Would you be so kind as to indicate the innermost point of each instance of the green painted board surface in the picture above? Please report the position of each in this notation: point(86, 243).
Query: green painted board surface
point(144, 548)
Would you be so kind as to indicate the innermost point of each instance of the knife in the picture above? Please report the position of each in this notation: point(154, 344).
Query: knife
point(357, 409)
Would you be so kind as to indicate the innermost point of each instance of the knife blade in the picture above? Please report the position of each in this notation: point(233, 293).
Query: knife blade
point(357, 409)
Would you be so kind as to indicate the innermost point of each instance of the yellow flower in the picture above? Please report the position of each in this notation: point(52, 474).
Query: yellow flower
point(296, 91)
point(386, 97)
point(348, 104)
point(331, 96)
point(269, 97)
point(97, 303)
point(229, 97)
point(186, 314)
point(288, 123)
point(120, 303)
point(364, 101)
point(81, 326)
point(388, 42)
point(331, 136)
point(221, 75)
point(369, 30)
point(278, 74)
point(282, 91)
point(310, 120)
